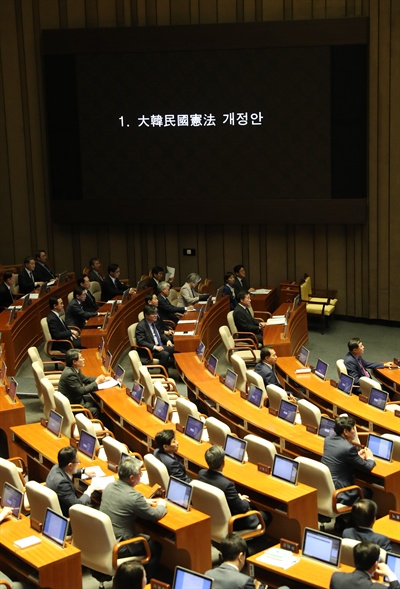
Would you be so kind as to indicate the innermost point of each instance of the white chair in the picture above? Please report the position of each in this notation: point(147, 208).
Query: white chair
point(48, 396)
point(260, 450)
point(217, 431)
point(185, 408)
point(396, 444)
point(40, 497)
point(68, 411)
point(275, 395)
point(161, 393)
point(317, 475)
point(341, 367)
point(347, 555)
point(366, 384)
point(156, 471)
point(13, 474)
point(94, 536)
point(38, 374)
point(161, 373)
point(239, 367)
point(322, 307)
point(52, 375)
point(249, 353)
point(48, 348)
point(257, 380)
point(310, 414)
point(243, 335)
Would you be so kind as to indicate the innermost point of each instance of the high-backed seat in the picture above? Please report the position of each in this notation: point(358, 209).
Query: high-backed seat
point(217, 431)
point(156, 471)
point(323, 306)
point(248, 352)
point(275, 395)
point(260, 450)
point(52, 374)
point(48, 348)
point(310, 414)
point(366, 384)
point(239, 367)
point(341, 367)
point(40, 498)
point(243, 335)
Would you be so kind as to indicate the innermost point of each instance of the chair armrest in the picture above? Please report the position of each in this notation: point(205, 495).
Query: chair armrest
point(242, 349)
point(264, 315)
point(252, 533)
point(342, 490)
point(246, 335)
point(75, 327)
point(246, 342)
point(136, 347)
point(104, 431)
point(81, 409)
point(169, 323)
point(158, 367)
point(5, 583)
point(49, 350)
point(19, 462)
point(119, 545)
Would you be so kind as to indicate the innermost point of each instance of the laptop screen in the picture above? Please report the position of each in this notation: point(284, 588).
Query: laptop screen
point(137, 392)
point(105, 321)
point(380, 447)
point(255, 395)
point(13, 314)
point(235, 448)
point(219, 293)
point(194, 428)
point(230, 380)
point(322, 546)
point(107, 361)
point(113, 308)
point(55, 526)
point(25, 304)
point(208, 304)
point(161, 409)
point(393, 562)
point(119, 374)
point(54, 423)
point(212, 364)
point(287, 411)
point(378, 399)
point(42, 290)
point(321, 369)
point(87, 444)
point(125, 296)
point(296, 302)
point(179, 493)
point(12, 497)
point(185, 579)
point(303, 355)
point(12, 389)
point(326, 427)
point(345, 383)
point(101, 347)
point(285, 469)
point(200, 351)
point(62, 277)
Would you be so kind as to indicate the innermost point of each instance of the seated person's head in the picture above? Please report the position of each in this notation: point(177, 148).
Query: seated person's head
point(150, 312)
point(83, 281)
point(366, 555)
point(233, 547)
point(66, 455)
point(151, 299)
point(353, 344)
point(56, 304)
point(193, 279)
point(8, 277)
point(343, 423)
point(79, 293)
point(71, 356)
point(114, 270)
point(29, 263)
point(229, 278)
point(265, 352)
point(364, 513)
point(215, 457)
point(130, 575)
point(129, 469)
point(157, 272)
point(244, 298)
point(165, 440)
point(164, 287)
point(94, 263)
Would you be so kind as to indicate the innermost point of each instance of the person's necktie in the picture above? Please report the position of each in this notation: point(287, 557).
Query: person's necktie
point(156, 335)
point(31, 277)
point(363, 370)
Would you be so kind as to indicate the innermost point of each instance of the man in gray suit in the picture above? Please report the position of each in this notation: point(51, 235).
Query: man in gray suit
point(366, 559)
point(228, 575)
point(123, 504)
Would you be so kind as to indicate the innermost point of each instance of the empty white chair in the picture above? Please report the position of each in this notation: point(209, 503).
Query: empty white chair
point(48, 396)
point(341, 367)
point(275, 395)
point(249, 353)
point(48, 367)
point(217, 431)
point(367, 384)
point(239, 367)
point(310, 414)
point(260, 450)
point(156, 471)
point(396, 444)
point(84, 423)
point(40, 497)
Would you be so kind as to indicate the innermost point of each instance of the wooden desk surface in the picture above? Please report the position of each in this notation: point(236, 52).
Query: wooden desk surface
point(337, 402)
point(305, 574)
point(296, 332)
point(264, 302)
point(389, 376)
point(388, 527)
point(46, 563)
point(11, 414)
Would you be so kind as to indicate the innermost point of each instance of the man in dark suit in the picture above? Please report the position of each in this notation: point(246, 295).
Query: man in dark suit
point(95, 273)
point(228, 575)
point(75, 313)
point(76, 386)
point(342, 458)
point(152, 300)
point(61, 480)
point(6, 295)
point(26, 278)
point(363, 516)
point(147, 335)
point(266, 366)
point(356, 365)
point(215, 458)
point(42, 271)
point(89, 304)
point(59, 329)
point(112, 286)
point(166, 310)
point(244, 320)
point(167, 446)
point(366, 560)
point(241, 282)
point(157, 274)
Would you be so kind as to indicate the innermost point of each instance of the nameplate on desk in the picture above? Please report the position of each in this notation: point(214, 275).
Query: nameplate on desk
point(221, 379)
point(333, 383)
point(263, 468)
point(154, 584)
point(397, 413)
point(180, 428)
point(289, 545)
point(303, 370)
point(273, 411)
point(312, 429)
point(73, 442)
point(43, 421)
point(394, 515)
point(243, 394)
point(149, 409)
point(363, 398)
point(36, 524)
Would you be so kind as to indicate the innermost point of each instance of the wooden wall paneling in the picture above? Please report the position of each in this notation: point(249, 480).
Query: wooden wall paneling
point(373, 146)
point(180, 12)
point(163, 9)
point(289, 268)
point(276, 255)
point(66, 252)
point(88, 246)
point(214, 266)
point(92, 14)
point(249, 10)
point(151, 12)
point(319, 276)
point(336, 8)
point(255, 259)
point(318, 9)
point(302, 9)
point(126, 13)
point(171, 249)
point(394, 187)
point(336, 264)
point(361, 265)
point(208, 12)
point(304, 247)
point(349, 274)
point(187, 238)
point(263, 255)
point(135, 253)
point(232, 247)
point(273, 9)
point(76, 14)
point(194, 12)
point(49, 14)
point(227, 11)
point(202, 250)
point(107, 14)
point(118, 248)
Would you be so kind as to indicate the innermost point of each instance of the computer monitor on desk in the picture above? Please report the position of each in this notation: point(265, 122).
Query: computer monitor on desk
point(179, 493)
point(12, 389)
point(230, 380)
point(287, 411)
point(255, 395)
point(107, 361)
point(119, 374)
point(345, 383)
point(13, 498)
point(136, 394)
point(378, 398)
point(321, 369)
point(194, 428)
point(62, 278)
point(303, 356)
point(54, 423)
point(235, 448)
point(185, 579)
point(321, 546)
point(200, 351)
point(55, 527)
point(212, 364)
point(87, 444)
point(380, 447)
point(326, 426)
point(285, 469)
point(161, 409)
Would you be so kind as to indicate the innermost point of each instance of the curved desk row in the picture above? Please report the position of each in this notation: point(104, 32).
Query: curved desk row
point(242, 417)
point(296, 331)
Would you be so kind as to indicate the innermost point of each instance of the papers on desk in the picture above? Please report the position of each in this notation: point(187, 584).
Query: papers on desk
point(108, 384)
point(187, 321)
point(170, 273)
point(260, 291)
point(52, 282)
point(111, 301)
point(17, 307)
point(278, 557)
point(100, 483)
point(98, 472)
point(28, 541)
point(177, 333)
point(277, 320)
point(34, 295)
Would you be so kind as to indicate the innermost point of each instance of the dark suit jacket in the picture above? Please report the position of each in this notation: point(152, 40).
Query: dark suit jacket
point(217, 479)
point(76, 314)
point(144, 336)
point(167, 310)
point(342, 459)
point(239, 287)
point(109, 290)
point(58, 330)
point(25, 284)
point(358, 580)
point(95, 277)
point(154, 285)
point(6, 296)
point(90, 304)
point(59, 481)
point(174, 466)
point(74, 385)
point(43, 273)
point(232, 296)
point(268, 374)
point(354, 368)
point(368, 535)
point(244, 321)
point(227, 577)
